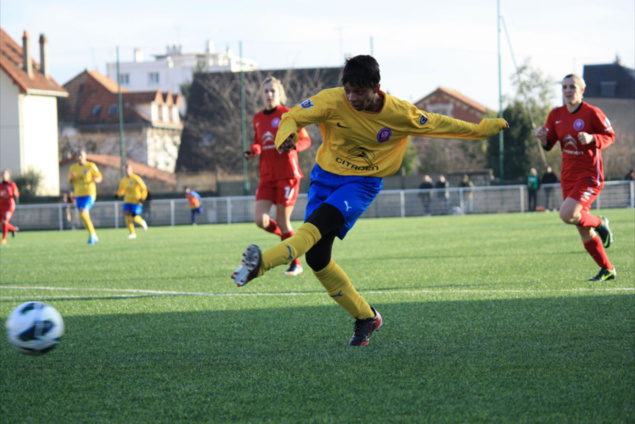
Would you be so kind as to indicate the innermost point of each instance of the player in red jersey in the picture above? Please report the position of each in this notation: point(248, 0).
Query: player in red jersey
point(8, 193)
point(280, 173)
point(583, 131)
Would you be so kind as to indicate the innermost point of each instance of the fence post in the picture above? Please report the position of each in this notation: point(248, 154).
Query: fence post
point(402, 200)
point(61, 217)
point(172, 218)
point(116, 216)
point(522, 199)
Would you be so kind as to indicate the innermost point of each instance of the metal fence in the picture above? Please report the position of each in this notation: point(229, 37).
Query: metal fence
point(389, 203)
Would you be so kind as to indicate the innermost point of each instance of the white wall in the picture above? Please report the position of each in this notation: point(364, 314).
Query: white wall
point(40, 140)
point(9, 125)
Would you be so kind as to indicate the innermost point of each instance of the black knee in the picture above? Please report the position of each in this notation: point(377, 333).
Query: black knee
point(327, 218)
point(319, 256)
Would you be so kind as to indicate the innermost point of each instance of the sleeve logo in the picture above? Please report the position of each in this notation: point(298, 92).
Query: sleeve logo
point(307, 104)
point(423, 120)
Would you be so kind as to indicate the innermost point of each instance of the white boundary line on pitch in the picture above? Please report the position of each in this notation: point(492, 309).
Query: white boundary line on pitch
point(139, 292)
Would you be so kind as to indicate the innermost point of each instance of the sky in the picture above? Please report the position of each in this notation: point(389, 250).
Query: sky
point(420, 45)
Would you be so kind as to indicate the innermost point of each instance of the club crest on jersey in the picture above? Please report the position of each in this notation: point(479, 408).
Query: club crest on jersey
point(384, 134)
point(275, 122)
point(423, 120)
point(307, 104)
point(578, 124)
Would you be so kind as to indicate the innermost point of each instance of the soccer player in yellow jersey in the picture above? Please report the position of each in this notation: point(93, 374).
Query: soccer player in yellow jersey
point(364, 133)
point(135, 192)
point(84, 175)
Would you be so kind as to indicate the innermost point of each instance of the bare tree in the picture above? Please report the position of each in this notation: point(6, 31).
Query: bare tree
point(212, 135)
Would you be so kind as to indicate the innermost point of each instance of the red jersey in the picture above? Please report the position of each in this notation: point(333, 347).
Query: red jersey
point(274, 165)
point(8, 193)
point(580, 161)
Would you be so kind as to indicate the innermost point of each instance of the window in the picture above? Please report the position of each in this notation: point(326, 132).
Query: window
point(153, 78)
point(96, 110)
point(113, 110)
point(124, 79)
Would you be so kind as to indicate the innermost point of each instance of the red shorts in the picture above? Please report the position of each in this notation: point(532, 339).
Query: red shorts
point(280, 192)
point(584, 192)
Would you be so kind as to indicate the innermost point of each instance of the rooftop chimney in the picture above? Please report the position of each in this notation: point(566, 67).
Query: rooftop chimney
point(44, 57)
point(27, 62)
point(138, 55)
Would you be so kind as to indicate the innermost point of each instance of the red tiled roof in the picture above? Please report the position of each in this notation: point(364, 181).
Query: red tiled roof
point(464, 99)
point(108, 84)
point(98, 94)
point(12, 63)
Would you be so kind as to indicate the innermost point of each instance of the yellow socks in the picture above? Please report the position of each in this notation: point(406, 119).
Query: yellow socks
point(85, 217)
point(284, 252)
point(130, 224)
point(140, 221)
point(339, 287)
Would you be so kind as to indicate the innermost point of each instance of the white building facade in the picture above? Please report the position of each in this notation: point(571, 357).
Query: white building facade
point(174, 68)
point(28, 122)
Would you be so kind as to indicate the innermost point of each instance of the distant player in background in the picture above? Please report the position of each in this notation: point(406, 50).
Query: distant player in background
point(84, 175)
point(583, 131)
point(280, 173)
point(533, 185)
point(194, 200)
point(135, 192)
point(8, 193)
point(365, 134)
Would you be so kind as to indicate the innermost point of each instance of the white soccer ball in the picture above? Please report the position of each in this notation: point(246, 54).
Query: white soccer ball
point(35, 328)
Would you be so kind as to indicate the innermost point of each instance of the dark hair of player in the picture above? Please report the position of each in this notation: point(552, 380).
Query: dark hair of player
point(361, 71)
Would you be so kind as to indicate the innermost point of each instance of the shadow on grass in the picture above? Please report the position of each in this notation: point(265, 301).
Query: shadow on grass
point(566, 359)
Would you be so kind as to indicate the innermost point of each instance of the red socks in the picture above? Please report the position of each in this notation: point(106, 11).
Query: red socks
point(596, 250)
point(588, 220)
point(273, 228)
point(6, 227)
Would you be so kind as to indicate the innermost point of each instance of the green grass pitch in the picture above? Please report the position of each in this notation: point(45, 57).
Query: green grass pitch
point(487, 318)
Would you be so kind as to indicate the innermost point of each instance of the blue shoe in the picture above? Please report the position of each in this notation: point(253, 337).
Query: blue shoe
point(93, 239)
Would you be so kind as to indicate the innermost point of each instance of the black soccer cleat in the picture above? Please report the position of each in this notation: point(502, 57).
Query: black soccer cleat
point(364, 328)
point(605, 233)
point(15, 231)
point(604, 275)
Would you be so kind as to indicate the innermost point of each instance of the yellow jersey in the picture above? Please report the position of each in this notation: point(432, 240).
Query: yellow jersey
point(84, 176)
point(134, 188)
point(365, 143)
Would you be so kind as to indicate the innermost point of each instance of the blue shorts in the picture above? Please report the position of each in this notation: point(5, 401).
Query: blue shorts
point(133, 207)
point(350, 194)
point(84, 202)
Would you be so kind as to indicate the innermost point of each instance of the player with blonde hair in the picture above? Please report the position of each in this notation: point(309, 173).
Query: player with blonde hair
point(583, 131)
point(280, 172)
